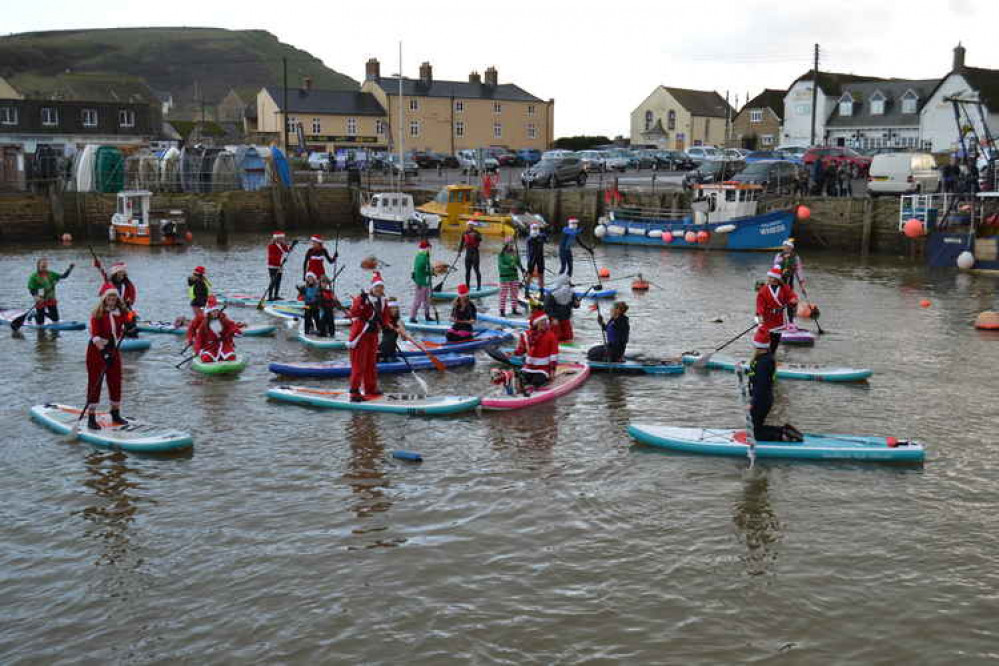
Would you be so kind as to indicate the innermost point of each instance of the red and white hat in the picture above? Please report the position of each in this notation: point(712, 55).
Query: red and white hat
point(424, 244)
point(118, 267)
point(376, 280)
point(199, 270)
point(310, 274)
point(212, 304)
point(316, 239)
point(573, 222)
point(761, 339)
point(774, 272)
point(277, 235)
point(105, 288)
point(538, 316)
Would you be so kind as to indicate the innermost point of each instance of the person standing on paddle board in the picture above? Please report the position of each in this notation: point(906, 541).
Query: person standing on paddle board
point(470, 242)
point(42, 286)
point(328, 305)
point(308, 293)
point(277, 250)
point(559, 303)
point(107, 326)
point(539, 347)
point(762, 376)
point(463, 316)
point(199, 288)
point(773, 300)
point(508, 263)
point(535, 256)
point(422, 276)
point(215, 336)
point(617, 331)
point(570, 236)
point(315, 258)
point(789, 262)
point(368, 314)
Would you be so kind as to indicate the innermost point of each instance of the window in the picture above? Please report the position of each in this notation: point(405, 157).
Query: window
point(909, 102)
point(414, 105)
point(459, 106)
point(530, 109)
point(8, 115)
point(292, 123)
point(50, 116)
point(351, 126)
point(317, 126)
point(803, 109)
point(846, 105)
point(459, 128)
point(497, 107)
point(756, 115)
point(671, 120)
point(532, 131)
point(877, 103)
point(379, 127)
point(648, 120)
point(497, 130)
point(707, 130)
point(414, 128)
point(767, 139)
point(89, 117)
point(126, 118)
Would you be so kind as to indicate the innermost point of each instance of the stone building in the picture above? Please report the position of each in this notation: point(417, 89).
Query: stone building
point(677, 118)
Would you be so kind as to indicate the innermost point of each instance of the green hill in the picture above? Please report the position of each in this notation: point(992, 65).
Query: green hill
point(186, 62)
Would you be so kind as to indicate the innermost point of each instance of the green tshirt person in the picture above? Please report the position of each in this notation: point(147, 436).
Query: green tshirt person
point(42, 286)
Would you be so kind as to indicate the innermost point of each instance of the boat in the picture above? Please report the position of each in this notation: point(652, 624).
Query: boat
point(439, 345)
point(342, 368)
point(393, 213)
point(987, 321)
point(732, 442)
point(109, 170)
point(8, 316)
point(135, 224)
point(488, 290)
point(579, 293)
point(232, 367)
point(815, 373)
point(411, 404)
point(85, 165)
point(960, 230)
point(224, 172)
point(169, 171)
point(568, 377)
point(136, 436)
point(455, 207)
point(723, 217)
point(281, 168)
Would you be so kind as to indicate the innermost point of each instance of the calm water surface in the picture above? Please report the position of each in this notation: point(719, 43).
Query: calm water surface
point(545, 536)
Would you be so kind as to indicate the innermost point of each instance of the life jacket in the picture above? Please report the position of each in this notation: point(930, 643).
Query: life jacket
point(190, 288)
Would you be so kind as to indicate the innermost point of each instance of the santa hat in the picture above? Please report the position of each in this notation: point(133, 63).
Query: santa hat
point(573, 222)
point(199, 270)
point(774, 272)
point(310, 274)
point(105, 288)
point(212, 305)
point(463, 290)
point(277, 235)
point(538, 316)
point(789, 243)
point(316, 239)
point(118, 267)
point(376, 280)
point(424, 244)
point(761, 339)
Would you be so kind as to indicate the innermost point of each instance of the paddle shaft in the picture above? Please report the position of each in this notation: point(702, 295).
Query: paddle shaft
point(815, 317)
point(703, 361)
point(418, 379)
point(747, 406)
point(263, 297)
point(461, 246)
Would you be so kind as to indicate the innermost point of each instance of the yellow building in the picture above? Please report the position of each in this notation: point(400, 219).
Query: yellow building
point(677, 118)
point(448, 116)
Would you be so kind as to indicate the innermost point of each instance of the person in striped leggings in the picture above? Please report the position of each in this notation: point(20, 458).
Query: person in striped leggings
point(508, 262)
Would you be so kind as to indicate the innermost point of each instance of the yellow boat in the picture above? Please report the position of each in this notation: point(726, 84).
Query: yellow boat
point(455, 205)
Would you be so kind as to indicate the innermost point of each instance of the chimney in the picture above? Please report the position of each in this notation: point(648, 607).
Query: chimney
point(491, 76)
point(426, 73)
point(958, 57)
point(306, 83)
point(474, 78)
point(372, 69)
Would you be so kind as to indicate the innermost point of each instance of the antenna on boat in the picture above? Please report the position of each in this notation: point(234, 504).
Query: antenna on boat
point(402, 164)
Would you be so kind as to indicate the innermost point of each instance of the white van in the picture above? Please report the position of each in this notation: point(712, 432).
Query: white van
point(903, 173)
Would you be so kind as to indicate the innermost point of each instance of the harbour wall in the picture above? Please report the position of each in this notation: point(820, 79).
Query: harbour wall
point(849, 225)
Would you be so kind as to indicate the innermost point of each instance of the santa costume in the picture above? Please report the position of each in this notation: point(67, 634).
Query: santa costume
point(316, 258)
point(118, 280)
point(368, 314)
point(277, 251)
point(107, 326)
point(772, 301)
point(214, 336)
point(539, 347)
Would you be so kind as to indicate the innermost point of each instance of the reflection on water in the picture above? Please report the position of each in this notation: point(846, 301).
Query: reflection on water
point(757, 523)
point(366, 477)
point(114, 507)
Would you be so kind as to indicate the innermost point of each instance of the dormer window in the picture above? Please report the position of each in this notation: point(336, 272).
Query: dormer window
point(910, 100)
point(846, 105)
point(877, 104)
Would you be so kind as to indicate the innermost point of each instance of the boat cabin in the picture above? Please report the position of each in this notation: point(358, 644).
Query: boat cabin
point(133, 214)
point(390, 205)
point(720, 202)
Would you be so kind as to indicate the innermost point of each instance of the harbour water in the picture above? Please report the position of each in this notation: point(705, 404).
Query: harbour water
point(546, 536)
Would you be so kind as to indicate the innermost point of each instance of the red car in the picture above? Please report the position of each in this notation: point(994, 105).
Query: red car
point(837, 155)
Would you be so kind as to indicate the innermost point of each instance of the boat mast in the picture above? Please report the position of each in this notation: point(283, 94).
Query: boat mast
point(402, 165)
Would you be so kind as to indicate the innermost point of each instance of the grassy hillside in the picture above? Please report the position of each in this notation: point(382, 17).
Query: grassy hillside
point(175, 60)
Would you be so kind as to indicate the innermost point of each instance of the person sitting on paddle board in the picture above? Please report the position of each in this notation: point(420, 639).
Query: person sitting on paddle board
point(388, 348)
point(308, 293)
point(535, 257)
point(42, 286)
point(215, 336)
point(463, 316)
point(559, 303)
point(570, 236)
point(539, 347)
point(762, 376)
point(328, 305)
point(617, 331)
point(107, 327)
point(277, 250)
point(421, 278)
point(508, 262)
point(470, 242)
point(315, 258)
point(199, 288)
point(368, 314)
point(789, 262)
point(773, 300)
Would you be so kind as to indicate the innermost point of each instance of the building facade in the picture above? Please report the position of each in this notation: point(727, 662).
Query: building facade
point(448, 116)
point(757, 126)
point(937, 122)
point(797, 126)
point(677, 118)
point(878, 114)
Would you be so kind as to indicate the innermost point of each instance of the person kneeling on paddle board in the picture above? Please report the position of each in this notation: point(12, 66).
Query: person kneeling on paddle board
point(539, 347)
point(41, 286)
point(215, 335)
point(773, 300)
point(559, 303)
point(198, 290)
point(463, 316)
point(368, 314)
point(617, 331)
point(107, 326)
point(308, 293)
point(762, 377)
point(388, 348)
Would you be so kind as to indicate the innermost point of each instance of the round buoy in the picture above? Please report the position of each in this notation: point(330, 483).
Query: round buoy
point(965, 260)
point(640, 285)
point(805, 310)
point(604, 273)
point(369, 263)
point(703, 237)
point(690, 237)
point(925, 303)
point(913, 228)
point(188, 236)
point(667, 237)
point(987, 321)
point(803, 212)
point(600, 231)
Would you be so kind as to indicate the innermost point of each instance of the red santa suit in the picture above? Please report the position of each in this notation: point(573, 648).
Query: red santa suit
point(367, 316)
point(214, 339)
point(108, 327)
point(316, 258)
point(276, 252)
point(539, 349)
point(772, 301)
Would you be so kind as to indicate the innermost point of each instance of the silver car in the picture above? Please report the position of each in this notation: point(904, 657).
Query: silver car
point(594, 161)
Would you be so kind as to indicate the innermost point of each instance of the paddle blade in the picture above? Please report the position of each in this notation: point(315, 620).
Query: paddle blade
point(498, 356)
point(437, 362)
point(18, 322)
point(703, 361)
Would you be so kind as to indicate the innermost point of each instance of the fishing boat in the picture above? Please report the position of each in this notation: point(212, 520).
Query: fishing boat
point(960, 230)
point(393, 213)
point(723, 216)
point(135, 223)
point(455, 207)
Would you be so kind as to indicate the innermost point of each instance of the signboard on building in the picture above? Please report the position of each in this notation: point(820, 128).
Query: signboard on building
point(341, 139)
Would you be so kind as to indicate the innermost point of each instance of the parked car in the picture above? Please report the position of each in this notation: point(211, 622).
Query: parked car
point(758, 155)
point(643, 159)
point(672, 160)
point(735, 154)
point(503, 156)
point(774, 175)
point(554, 172)
point(425, 159)
point(529, 156)
point(468, 160)
point(594, 161)
point(903, 173)
point(556, 154)
point(704, 154)
point(834, 155)
point(319, 161)
point(391, 164)
point(715, 171)
point(449, 161)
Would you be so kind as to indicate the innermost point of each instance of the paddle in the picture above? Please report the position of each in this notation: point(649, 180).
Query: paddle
point(440, 285)
point(433, 359)
point(74, 432)
point(740, 370)
point(702, 362)
point(18, 321)
point(816, 313)
point(494, 352)
point(419, 380)
point(188, 346)
point(263, 297)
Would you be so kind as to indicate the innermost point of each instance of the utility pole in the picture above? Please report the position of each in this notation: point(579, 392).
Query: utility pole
point(284, 104)
point(815, 93)
point(728, 118)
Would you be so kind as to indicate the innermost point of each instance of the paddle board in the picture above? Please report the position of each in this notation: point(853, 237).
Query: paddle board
point(160, 327)
point(440, 345)
point(134, 344)
point(136, 436)
point(792, 335)
point(502, 321)
point(317, 342)
point(392, 403)
point(232, 367)
point(487, 290)
point(249, 300)
point(10, 315)
point(631, 366)
point(792, 370)
point(342, 368)
point(583, 293)
point(567, 378)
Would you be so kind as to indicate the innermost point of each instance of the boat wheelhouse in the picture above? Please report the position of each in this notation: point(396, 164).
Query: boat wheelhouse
point(134, 222)
point(393, 213)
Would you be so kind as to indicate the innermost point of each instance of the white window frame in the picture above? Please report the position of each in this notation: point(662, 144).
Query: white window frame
point(459, 128)
point(414, 104)
point(532, 131)
point(767, 140)
point(756, 115)
point(317, 126)
point(671, 120)
point(50, 116)
point(497, 130)
point(459, 106)
point(878, 100)
point(802, 109)
point(126, 118)
point(846, 105)
point(292, 123)
point(8, 115)
point(910, 102)
point(497, 107)
point(380, 127)
point(649, 119)
point(88, 117)
point(530, 109)
point(351, 126)
point(414, 128)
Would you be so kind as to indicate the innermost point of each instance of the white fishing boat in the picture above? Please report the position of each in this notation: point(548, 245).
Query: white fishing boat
point(393, 213)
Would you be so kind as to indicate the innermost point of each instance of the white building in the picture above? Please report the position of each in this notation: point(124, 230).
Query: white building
point(879, 114)
point(938, 126)
point(798, 106)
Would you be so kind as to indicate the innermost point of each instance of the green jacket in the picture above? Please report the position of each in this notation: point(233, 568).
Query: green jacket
point(46, 284)
point(421, 269)
point(508, 263)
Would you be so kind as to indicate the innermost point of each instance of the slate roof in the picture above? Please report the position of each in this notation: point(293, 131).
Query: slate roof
point(831, 83)
point(768, 99)
point(701, 102)
point(893, 90)
point(986, 82)
point(84, 88)
point(457, 89)
point(340, 102)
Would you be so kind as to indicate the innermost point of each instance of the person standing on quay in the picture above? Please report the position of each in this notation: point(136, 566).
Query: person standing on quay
point(276, 253)
point(42, 286)
point(421, 278)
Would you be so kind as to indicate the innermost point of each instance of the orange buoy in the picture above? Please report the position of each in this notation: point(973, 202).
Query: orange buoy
point(188, 236)
point(667, 237)
point(987, 321)
point(604, 273)
point(803, 212)
point(913, 228)
point(925, 303)
point(690, 237)
point(805, 310)
point(703, 237)
point(640, 285)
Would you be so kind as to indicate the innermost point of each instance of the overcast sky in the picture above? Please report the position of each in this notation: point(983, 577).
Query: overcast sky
point(598, 60)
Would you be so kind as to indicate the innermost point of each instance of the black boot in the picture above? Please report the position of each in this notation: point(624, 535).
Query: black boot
point(116, 417)
point(92, 423)
point(355, 396)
